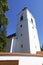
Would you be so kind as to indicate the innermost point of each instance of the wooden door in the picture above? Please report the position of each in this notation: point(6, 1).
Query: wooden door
point(9, 62)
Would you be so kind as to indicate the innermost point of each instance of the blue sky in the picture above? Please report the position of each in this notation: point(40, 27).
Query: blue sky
point(35, 7)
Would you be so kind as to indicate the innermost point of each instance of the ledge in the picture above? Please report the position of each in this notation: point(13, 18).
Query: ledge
point(20, 54)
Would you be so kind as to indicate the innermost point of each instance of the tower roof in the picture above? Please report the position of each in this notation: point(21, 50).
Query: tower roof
point(24, 8)
point(12, 35)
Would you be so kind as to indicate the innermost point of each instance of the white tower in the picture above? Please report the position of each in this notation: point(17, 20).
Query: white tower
point(27, 37)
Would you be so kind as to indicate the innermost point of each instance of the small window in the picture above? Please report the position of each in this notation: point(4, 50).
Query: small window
point(34, 36)
point(33, 27)
point(21, 26)
point(35, 46)
point(16, 37)
point(31, 20)
point(21, 45)
point(21, 34)
point(21, 18)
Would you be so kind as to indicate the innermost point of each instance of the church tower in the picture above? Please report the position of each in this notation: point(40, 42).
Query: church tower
point(27, 37)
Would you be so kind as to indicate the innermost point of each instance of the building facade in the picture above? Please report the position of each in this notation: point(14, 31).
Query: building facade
point(21, 59)
point(26, 39)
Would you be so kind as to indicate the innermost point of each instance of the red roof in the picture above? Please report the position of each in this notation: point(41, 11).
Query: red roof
point(20, 54)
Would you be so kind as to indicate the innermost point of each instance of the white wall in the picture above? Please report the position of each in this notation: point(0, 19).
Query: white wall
point(24, 39)
point(33, 36)
point(24, 60)
point(29, 38)
point(8, 46)
point(13, 44)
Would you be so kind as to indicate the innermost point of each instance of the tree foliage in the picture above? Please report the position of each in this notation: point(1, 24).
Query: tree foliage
point(3, 24)
point(42, 48)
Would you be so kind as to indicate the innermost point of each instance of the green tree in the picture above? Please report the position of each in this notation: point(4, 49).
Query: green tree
point(3, 24)
point(42, 48)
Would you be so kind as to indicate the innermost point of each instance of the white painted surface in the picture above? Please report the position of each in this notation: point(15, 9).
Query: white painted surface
point(24, 60)
point(24, 39)
point(29, 38)
point(12, 44)
point(33, 36)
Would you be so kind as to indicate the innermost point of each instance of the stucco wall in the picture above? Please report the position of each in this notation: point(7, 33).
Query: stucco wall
point(33, 36)
point(25, 60)
point(28, 42)
point(24, 39)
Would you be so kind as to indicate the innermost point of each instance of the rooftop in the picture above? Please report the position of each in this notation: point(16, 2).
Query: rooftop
point(12, 35)
point(38, 54)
